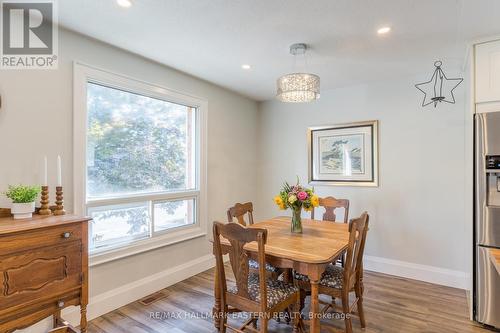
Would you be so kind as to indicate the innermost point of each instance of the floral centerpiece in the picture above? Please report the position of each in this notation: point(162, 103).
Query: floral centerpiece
point(296, 197)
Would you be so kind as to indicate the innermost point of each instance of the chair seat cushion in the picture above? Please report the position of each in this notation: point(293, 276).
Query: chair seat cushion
point(255, 265)
point(277, 291)
point(333, 277)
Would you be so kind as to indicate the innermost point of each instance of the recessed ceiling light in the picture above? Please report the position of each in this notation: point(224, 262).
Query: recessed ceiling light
point(124, 3)
point(246, 66)
point(383, 30)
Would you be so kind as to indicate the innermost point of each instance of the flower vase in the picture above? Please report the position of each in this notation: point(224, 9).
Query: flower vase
point(296, 226)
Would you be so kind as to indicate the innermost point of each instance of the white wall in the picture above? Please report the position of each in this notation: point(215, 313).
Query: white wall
point(36, 120)
point(419, 214)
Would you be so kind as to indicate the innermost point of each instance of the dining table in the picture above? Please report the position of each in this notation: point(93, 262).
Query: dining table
point(308, 253)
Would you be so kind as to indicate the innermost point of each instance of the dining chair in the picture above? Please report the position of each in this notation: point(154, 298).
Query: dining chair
point(238, 212)
point(330, 204)
point(262, 297)
point(339, 282)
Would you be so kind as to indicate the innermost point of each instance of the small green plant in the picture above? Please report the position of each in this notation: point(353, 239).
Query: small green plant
point(22, 193)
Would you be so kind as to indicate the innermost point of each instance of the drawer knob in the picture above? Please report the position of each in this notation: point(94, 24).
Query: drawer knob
point(60, 304)
point(66, 235)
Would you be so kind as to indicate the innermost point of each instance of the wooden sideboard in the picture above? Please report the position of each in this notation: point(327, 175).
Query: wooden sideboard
point(43, 269)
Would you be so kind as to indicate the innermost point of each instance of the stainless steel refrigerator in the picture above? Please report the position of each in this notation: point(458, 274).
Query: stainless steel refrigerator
point(487, 218)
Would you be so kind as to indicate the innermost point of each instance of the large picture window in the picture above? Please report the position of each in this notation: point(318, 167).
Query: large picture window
point(143, 172)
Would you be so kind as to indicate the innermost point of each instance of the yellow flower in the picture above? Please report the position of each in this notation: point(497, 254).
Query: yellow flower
point(315, 201)
point(292, 199)
point(278, 201)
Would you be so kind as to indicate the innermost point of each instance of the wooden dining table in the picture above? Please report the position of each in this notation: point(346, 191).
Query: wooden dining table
point(320, 244)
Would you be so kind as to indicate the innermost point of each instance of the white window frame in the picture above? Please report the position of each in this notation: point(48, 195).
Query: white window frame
point(82, 74)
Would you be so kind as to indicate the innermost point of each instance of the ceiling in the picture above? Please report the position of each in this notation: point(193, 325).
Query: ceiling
point(211, 39)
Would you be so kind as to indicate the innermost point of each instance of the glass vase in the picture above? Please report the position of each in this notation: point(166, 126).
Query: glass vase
point(296, 226)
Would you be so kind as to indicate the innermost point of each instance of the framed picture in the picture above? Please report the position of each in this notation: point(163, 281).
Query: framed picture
point(344, 155)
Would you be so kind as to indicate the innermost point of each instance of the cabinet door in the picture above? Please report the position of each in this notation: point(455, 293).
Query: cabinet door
point(488, 72)
point(34, 275)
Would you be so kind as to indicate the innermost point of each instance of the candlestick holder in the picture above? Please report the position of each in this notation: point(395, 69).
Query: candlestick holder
point(44, 200)
point(59, 201)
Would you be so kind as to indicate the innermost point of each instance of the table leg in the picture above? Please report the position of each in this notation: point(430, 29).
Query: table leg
point(314, 312)
point(216, 309)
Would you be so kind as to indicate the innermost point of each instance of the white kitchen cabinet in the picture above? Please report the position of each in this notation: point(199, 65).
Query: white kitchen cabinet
point(488, 72)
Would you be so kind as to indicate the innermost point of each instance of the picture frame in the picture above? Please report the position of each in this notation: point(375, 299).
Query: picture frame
point(344, 154)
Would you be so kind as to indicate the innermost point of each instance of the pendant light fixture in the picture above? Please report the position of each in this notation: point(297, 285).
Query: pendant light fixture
point(298, 87)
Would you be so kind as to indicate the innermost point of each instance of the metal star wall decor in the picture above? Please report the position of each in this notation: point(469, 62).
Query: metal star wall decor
point(439, 88)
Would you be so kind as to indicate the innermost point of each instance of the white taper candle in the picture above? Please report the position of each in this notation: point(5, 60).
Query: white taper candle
point(59, 173)
point(44, 171)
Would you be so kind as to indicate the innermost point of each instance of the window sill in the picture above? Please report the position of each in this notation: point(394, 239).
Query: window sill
point(136, 247)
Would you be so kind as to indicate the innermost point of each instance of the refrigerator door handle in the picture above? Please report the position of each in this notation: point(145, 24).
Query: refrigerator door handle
point(489, 232)
point(480, 176)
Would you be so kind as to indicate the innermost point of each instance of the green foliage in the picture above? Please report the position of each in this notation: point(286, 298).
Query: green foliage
point(22, 193)
point(138, 143)
point(135, 144)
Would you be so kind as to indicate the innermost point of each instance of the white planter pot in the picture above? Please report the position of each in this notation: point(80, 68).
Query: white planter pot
point(22, 210)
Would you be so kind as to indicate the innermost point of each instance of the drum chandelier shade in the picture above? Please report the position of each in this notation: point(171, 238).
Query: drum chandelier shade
point(298, 87)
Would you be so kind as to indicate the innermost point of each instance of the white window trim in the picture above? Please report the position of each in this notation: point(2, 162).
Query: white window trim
point(82, 74)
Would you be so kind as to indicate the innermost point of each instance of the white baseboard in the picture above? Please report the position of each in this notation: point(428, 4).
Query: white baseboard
point(123, 295)
point(436, 275)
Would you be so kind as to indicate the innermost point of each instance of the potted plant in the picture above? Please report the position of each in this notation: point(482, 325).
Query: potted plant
point(296, 197)
point(23, 200)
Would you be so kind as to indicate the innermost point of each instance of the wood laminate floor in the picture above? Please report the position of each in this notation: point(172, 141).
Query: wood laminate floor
point(392, 304)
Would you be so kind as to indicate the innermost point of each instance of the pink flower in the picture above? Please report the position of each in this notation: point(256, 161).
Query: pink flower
point(302, 195)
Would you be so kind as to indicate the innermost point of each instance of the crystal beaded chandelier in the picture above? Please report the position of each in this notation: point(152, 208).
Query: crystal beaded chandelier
point(298, 87)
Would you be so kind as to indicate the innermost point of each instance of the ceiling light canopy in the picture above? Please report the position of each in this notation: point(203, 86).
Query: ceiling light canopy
point(246, 66)
point(124, 3)
point(298, 87)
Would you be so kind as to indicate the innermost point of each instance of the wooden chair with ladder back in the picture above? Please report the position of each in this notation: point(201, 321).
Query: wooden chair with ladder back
point(330, 204)
point(239, 211)
point(262, 297)
point(339, 282)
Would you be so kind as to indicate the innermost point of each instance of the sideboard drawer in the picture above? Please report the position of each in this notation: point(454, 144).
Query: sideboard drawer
point(36, 312)
point(39, 238)
point(40, 274)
